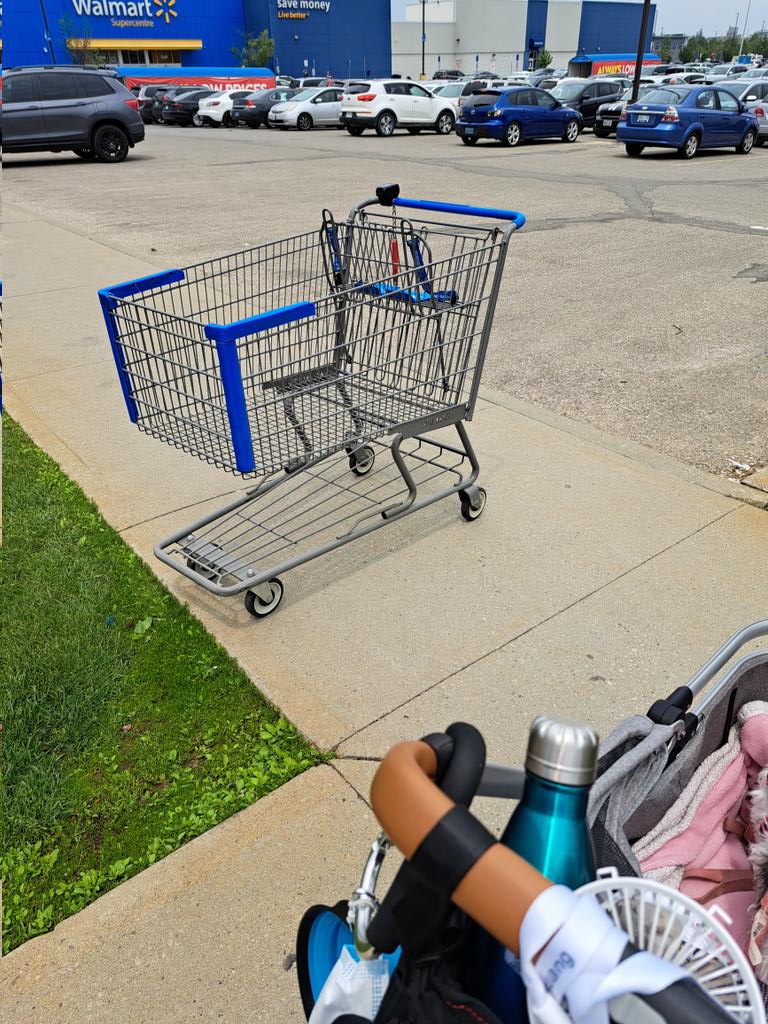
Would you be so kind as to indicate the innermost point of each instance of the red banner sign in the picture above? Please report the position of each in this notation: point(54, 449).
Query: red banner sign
point(201, 81)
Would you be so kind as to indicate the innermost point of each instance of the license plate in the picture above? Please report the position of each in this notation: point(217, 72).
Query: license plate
point(606, 123)
point(643, 118)
point(469, 131)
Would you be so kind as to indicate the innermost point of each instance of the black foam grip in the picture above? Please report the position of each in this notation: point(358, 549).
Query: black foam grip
point(443, 748)
point(450, 850)
point(467, 763)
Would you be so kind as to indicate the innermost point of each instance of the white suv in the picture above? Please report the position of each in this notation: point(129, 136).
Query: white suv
point(398, 103)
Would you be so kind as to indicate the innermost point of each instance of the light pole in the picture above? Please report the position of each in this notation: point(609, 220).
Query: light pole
point(423, 40)
point(744, 30)
point(48, 37)
point(644, 22)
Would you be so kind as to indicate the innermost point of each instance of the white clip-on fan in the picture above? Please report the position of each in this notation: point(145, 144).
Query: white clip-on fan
point(674, 928)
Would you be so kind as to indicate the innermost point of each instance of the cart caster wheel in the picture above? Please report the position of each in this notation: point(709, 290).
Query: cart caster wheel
point(199, 569)
point(473, 503)
point(260, 609)
point(361, 460)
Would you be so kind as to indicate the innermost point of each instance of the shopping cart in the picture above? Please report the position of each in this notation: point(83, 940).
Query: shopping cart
point(644, 765)
point(319, 365)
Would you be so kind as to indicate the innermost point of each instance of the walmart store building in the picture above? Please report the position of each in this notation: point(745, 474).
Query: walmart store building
point(346, 37)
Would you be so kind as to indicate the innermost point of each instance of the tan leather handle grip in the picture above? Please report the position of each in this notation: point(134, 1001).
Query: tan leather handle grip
point(498, 890)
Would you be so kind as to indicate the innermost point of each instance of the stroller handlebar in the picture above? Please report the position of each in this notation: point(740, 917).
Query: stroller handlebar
point(500, 887)
point(708, 671)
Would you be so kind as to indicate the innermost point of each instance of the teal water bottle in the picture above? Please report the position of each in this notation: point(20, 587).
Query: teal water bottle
point(549, 829)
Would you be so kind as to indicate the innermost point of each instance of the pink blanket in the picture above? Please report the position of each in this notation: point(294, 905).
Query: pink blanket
point(708, 841)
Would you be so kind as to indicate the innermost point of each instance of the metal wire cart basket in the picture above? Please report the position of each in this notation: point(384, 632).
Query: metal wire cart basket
point(316, 366)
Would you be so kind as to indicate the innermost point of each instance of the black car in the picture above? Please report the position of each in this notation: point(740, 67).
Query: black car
point(254, 108)
point(608, 114)
point(587, 95)
point(181, 109)
point(85, 110)
point(447, 74)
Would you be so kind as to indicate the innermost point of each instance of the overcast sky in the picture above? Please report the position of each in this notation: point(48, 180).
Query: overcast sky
point(686, 15)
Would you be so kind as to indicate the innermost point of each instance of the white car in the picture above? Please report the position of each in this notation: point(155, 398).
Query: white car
point(725, 73)
point(216, 110)
point(395, 103)
point(309, 108)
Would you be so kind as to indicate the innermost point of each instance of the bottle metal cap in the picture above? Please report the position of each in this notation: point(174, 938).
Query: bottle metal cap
point(562, 750)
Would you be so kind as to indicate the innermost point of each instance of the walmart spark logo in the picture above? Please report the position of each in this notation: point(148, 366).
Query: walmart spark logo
point(164, 10)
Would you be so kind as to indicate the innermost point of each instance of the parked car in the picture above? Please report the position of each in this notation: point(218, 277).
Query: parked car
point(253, 108)
point(513, 115)
point(721, 72)
point(146, 96)
point(449, 74)
point(396, 103)
point(586, 95)
point(682, 78)
point(754, 95)
point(85, 110)
point(288, 80)
point(216, 109)
point(608, 114)
point(687, 118)
point(181, 109)
point(308, 108)
point(756, 72)
point(168, 92)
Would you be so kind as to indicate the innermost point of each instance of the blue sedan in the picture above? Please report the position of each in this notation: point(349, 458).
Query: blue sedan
point(687, 118)
point(512, 115)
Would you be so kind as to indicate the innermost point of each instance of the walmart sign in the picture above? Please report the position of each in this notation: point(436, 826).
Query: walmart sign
point(126, 8)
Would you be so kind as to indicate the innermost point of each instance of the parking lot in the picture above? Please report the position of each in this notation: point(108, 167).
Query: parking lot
point(634, 301)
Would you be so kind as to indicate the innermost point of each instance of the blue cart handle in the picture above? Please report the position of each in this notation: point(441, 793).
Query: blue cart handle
point(465, 211)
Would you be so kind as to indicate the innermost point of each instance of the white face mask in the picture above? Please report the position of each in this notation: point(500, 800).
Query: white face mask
point(354, 987)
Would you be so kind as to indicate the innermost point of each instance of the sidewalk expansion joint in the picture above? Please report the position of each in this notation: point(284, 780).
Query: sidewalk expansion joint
point(536, 625)
point(346, 781)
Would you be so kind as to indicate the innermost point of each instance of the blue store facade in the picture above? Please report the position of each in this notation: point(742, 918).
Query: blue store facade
point(343, 37)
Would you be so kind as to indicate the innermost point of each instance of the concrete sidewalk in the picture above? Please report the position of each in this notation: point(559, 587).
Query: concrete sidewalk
point(599, 577)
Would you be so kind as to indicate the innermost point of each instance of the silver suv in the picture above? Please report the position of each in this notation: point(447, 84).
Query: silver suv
point(86, 110)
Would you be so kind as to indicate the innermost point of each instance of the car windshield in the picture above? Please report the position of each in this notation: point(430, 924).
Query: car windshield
point(756, 73)
point(721, 69)
point(567, 90)
point(666, 95)
point(306, 94)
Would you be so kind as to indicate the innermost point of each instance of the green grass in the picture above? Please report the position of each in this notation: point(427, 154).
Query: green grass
point(127, 729)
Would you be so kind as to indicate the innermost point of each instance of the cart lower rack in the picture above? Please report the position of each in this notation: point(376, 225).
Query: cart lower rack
point(317, 366)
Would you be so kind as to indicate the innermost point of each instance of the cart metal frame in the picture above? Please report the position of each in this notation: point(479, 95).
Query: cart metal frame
point(303, 395)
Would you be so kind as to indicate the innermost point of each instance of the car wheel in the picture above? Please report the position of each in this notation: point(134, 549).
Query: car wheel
point(513, 135)
point(445, 122)
point(634, 148)
point(385, 124)
point(761, 140)
point(414, 131)
point(227, 119)
point(197, 121)
point(304, 122)
point(468, 140)
point(84, 152)
point(746, 144)
point(253, 124)
point(601, 133)
point(355, 129)
point(571, 132)
point(690, 147)
point(110, 144)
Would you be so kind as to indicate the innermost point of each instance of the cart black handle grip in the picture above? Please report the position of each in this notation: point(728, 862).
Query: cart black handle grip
point(407, 897)
point(682, 1002)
